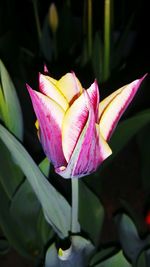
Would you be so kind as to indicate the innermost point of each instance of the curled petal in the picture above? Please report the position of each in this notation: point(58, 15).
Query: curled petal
point(70, 87)
point(73, 124)
point(89, 151)
point(93, 93)
point(50, 116)
point(112, 108)
point(48, 88)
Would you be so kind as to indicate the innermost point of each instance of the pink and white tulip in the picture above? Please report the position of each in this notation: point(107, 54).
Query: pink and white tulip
point(73, 127)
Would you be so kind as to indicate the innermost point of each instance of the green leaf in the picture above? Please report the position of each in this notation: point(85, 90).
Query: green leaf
point(102, 255)
point(117, 260)
point(122, 42)
point(144, 258)
point(144, 147)
point(25, 216)
point(46, 43)
point(78, 256)
point(10, 113)
point(10, 175)
point(141, 261)
point(2, 104)
point(45, 166)
point(43, 228)
point(127, 129)
point(90, 207)
point(4, 246)
point(25, 221)
point(122, 135)
point(131, 243)
point(16, 239)
point(11, 110)
point(97, 58)
point(56, 209)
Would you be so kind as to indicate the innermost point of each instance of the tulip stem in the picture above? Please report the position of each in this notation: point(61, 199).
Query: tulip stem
point(35, 8)
point(89, 28)
point(107, 28)
point(75, 190)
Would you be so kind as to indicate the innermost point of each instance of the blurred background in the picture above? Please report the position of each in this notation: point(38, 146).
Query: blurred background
point(106, 40)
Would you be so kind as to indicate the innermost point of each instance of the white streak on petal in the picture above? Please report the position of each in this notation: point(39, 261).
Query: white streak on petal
point(89, 151)
point(116, 106)
point(70, 87)
point(73, 123)
point(48, 88)
point(50, 116)
point(93, 93)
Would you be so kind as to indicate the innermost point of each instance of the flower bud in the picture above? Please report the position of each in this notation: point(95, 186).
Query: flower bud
point(53, 18)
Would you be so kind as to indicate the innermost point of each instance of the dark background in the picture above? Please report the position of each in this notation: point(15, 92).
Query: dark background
point(23, 56)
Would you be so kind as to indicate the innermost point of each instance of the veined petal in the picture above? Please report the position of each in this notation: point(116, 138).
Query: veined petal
point(70, 87)
point(91, 149)
point(93, 93)
point(94, 151)
point(106, 101)
point(73, 124)
point(50, 116)
point(54, 81)
point(113, 107)
point(49, 89)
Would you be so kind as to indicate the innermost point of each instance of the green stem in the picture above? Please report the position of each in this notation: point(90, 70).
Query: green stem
point(107, 27)
point(75, 225)
point(37, 19)
point(89, 28)
point(55, 46)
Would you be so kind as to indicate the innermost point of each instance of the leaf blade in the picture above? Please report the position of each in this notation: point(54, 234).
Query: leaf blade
point(60, 217)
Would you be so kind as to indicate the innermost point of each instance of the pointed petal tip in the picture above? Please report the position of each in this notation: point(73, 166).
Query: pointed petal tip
point(72, 72)
point(29, 88)
point(117, 105)
point(136, 84)
point(40, 76)
point(140, 80)
point(96, 85)
point(45, 69)
point(41, 80)
point(96, 82)
point(143, 77)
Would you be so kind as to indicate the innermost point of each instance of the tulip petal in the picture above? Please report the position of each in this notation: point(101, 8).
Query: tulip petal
point(48, 88)
point(93, 93)
point(73, 124)
point(90, 150)
point(94, 151)
point(112, 108)
point(50, 116)
point(70, 87)
point(46, 71)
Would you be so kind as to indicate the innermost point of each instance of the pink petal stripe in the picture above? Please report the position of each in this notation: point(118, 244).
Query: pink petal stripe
point(70, 87)
point(89, 152)
point(116, 107)
point(93, 93)
point(73, 124)
point(48, 88)
point(50, 116)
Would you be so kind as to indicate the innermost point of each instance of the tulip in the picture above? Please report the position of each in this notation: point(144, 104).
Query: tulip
point(74, 129)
